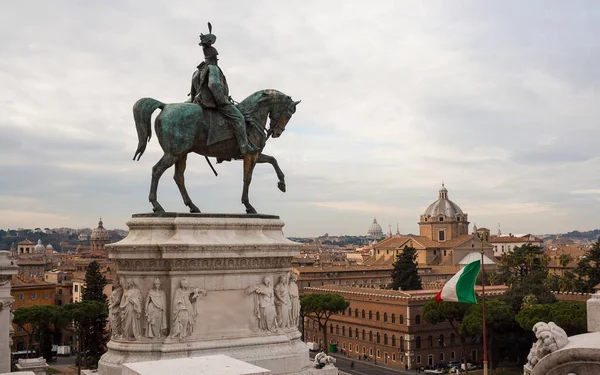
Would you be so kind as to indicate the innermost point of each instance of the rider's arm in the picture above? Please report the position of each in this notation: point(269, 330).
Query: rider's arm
point(215, 86)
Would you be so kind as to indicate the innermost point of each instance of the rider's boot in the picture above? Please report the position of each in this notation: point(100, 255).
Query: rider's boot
point(242, 138)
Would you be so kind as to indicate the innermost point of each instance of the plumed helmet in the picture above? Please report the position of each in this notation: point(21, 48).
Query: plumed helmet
point(207, 40)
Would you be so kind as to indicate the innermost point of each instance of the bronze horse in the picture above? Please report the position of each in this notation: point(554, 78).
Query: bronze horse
point(182, 128)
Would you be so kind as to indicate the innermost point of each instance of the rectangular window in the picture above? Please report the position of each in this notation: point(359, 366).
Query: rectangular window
point(452, 355)
point(441, 235)
point(75, 287)
point(378, 354)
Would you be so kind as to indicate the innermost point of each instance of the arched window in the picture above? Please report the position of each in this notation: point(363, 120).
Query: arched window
point(344, 331)
point(393, 340)
point(363, 314)
point(401, 343)
point(418, 342)
point(401, 319)
point(385, 339)
point(393, 318)
point(370, 315)
point(385, 317)
point(441, 340)
point(356, 313)
point(363, 334)
point(349, 311)
point(452, 339)
point(430, 341)
point(371, 336)
point(337, 329)
point(418, 319)
point(378, 338)
point(356, 332)
point(377, 315)
point(350, 332)
point(331, 328)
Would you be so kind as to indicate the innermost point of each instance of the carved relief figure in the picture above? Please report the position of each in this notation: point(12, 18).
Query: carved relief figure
point(295, 301)
point(156, 311)
point(185, 310)
point(131, 311)
point(264, 304)
point(282, 302)
point(114, 309)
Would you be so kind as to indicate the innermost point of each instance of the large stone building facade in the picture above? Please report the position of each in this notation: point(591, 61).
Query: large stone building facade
point(28, 293)
point(387, 326)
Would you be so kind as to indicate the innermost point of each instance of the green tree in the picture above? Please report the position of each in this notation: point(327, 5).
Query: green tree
point(588, 269)
point(39, 323)
point(320, 307)
point(525, 272)
point(451, 312)
point(570, 316)
point(405, 275)
point(94, 284)
point(80, 314)
point(564, 260)
point(95, 336)
point(499, 318)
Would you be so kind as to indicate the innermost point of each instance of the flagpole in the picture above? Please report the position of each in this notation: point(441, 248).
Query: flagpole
point(485, 361)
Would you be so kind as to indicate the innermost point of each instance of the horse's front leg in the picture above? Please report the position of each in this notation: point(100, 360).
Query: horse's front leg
point(249, 164)
point(262, 158)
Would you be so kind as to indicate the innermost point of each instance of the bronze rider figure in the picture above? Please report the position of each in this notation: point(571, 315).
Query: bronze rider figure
point(210, 90)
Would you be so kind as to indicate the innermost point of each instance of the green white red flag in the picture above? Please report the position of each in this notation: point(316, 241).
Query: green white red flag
point(461, 287)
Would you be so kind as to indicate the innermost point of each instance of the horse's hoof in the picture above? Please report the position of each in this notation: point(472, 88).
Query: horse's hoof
point(158, 209)
point(194, 210)
point(281, 186)
point(250, 210)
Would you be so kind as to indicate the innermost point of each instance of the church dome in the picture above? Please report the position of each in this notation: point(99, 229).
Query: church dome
point(443, 206)
point(49, 247)
point(100, 234)
point(39, 246)
point(375, 230)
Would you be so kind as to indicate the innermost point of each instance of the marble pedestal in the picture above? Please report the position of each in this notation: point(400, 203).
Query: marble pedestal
point(217, 279)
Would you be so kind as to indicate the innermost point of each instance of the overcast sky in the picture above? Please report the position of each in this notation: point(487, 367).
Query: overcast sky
point(498, 99)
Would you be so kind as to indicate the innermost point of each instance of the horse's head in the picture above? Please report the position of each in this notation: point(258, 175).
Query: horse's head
point(281, 112)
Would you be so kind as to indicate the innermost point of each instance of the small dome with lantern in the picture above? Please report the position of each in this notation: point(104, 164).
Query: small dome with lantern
point(39, 248)
point(100, 233)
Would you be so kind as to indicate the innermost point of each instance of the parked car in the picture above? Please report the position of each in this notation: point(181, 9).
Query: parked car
point(470, 366)
point(451, 364)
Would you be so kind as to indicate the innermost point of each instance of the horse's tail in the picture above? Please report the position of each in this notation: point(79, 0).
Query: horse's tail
point(142, 114)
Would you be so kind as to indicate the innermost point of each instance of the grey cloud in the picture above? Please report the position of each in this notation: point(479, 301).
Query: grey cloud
point(496, 98)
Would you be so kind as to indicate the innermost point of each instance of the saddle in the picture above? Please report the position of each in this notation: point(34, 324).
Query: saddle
point(218, 129)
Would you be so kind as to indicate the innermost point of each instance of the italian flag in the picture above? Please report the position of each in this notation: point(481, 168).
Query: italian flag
point(461, 287)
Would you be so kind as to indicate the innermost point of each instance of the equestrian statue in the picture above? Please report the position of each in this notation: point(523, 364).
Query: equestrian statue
point(210, 123)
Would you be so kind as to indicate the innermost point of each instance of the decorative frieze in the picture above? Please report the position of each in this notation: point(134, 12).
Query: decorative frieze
point(203, 264)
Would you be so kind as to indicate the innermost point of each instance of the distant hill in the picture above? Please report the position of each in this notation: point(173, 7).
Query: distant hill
point(591, 235)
